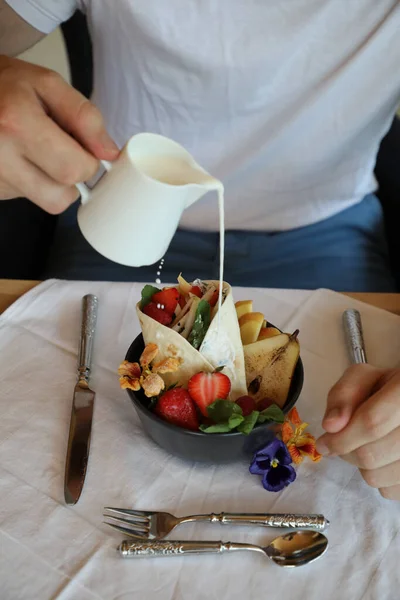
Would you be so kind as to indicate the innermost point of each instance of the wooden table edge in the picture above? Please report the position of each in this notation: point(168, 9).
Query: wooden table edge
point(12, 289)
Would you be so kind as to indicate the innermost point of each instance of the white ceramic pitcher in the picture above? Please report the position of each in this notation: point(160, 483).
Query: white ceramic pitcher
point(130, 216)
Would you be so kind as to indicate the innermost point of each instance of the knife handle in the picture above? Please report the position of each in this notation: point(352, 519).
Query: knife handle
point(89, 318)
point(354, 336)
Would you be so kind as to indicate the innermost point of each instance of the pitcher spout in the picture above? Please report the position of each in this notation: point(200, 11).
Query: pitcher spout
point(197, 191)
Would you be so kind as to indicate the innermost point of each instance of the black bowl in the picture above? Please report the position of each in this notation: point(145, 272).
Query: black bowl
point(206, 447)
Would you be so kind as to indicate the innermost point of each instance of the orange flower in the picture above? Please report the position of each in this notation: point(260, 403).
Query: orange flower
point(134, 376)
point(129, 376)
point(298, 443)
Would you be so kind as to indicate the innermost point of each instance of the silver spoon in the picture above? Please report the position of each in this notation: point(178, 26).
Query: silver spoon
point(290, 550)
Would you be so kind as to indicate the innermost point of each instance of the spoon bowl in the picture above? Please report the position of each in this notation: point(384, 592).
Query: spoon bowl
point(296, 548)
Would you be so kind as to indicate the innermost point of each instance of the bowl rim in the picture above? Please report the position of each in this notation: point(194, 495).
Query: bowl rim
point(299, 369)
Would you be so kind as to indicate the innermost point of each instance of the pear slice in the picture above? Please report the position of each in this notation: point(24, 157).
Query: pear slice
point(250, 327)
point(270, 364)
point(267, 332)
point(243, 307)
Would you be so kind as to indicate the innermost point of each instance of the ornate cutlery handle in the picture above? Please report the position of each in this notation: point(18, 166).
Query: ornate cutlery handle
point(289, 521)
point(89, 318)
point(128, 549)
point(354, 336)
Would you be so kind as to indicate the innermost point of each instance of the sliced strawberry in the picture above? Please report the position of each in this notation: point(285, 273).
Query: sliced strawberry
point(214, 298)
point(205, 388)
point(182, 301)
point(247, 404)
point(167, 298)
point(177, 407)
point(196, 290)
point(158, 314)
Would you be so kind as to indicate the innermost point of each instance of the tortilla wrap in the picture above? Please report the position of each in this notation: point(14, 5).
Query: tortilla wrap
point(220, 347)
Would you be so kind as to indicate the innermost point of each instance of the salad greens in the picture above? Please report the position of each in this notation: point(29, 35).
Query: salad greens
point(147, 293)
point(227, 416)
point(201, 324)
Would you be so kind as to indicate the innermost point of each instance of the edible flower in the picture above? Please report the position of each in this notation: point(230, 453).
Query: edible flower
point(134, 376)
point(298, 443)
point(273, 463)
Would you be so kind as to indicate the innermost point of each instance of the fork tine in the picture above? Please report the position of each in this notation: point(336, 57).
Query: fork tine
point(129, 532)
point(129, 524)
point(141, 514)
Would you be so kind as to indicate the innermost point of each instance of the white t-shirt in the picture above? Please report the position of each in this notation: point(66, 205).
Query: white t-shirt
point(285, 101)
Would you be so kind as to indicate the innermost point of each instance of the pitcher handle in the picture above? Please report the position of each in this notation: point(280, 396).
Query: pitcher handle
point(84, 190)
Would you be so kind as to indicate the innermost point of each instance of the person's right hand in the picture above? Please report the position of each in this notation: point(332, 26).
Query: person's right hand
point(51, 137)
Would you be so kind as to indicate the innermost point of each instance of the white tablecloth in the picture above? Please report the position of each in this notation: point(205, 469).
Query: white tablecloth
point(51, 551)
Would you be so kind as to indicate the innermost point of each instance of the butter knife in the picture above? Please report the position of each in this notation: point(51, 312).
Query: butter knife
point(354, 336)
point(82, 407)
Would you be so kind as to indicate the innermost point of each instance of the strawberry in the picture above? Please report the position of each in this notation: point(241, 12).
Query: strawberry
point(196, 290)
point(205, 388)
point(168, 298)
point(158, 314)
point(264, 403)
point(177, 407)
point(247, 404)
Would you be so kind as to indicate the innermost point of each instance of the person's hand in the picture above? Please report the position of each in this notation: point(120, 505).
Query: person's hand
point(51, 136)
point(362, 422)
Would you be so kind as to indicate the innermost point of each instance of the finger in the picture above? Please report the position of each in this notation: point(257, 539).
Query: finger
point(30, 182)
point(384, 476)
point(372, 420)
point(390, 493)
point(76, 115)
point(353, 388)
point(55, 152)
point(377, 454)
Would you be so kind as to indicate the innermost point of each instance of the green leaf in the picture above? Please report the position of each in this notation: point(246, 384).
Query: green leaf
point(219, 428)
point(235, 420)
point(172, 386)
point(147, 293)
point(272, 413)
point(201, 324)
point(221, 410)
point(249, 422)
point(152, 402)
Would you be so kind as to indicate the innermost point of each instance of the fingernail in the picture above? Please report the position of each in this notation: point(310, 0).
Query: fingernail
point(322, 448)
point(108, 144)
point(332, 414)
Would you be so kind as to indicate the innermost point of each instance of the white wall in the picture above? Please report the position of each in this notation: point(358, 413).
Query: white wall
point(50, 52)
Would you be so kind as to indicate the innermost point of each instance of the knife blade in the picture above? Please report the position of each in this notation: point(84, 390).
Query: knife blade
point(82, 407)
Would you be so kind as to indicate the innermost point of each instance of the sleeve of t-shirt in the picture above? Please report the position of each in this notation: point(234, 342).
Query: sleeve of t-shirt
point(44, 15)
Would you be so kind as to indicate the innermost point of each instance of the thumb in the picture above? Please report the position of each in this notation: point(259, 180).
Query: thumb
point(356, 385)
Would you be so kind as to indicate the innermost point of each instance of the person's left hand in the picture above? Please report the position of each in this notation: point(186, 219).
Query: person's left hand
point(362, 421)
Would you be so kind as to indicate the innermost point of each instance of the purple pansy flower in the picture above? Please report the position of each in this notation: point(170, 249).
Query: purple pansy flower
point(273, 463)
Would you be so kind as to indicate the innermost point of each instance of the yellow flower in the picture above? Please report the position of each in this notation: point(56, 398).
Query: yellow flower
point(148, 355)
point(298, 443)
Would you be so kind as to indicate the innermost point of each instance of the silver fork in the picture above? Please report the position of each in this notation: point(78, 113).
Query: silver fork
point(148, 525)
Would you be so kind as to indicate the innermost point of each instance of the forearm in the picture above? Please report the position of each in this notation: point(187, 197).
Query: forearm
point(16, 35)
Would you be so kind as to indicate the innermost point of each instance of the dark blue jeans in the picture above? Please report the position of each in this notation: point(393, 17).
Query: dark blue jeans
point(346, 252)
